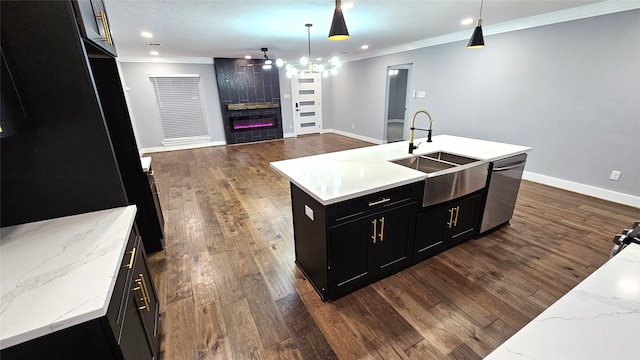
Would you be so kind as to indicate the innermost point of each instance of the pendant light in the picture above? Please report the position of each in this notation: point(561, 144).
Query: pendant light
point(477, 40)
point(307, 66)
point(338, 29)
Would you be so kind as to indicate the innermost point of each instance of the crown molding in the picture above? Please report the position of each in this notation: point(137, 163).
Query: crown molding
point(165, 60)
point(582, 12)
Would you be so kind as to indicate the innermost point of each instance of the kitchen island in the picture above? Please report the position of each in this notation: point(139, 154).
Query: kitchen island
point(359, 217)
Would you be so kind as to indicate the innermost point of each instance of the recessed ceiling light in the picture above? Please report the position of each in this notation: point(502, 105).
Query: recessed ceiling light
point(467, 21)
point(154, 53)
point(146, 34)
point(347, 6)
point(247, 57)
point(318, 59)
point(364, 47)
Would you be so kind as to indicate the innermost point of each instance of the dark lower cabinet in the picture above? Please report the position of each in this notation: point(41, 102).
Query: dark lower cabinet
point(445, 225)
point(369, 247)
point(155, 193)
point(128, 331)
point(342, 247)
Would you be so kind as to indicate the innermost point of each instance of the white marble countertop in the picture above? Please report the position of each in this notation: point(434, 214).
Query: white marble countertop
point(60, 272)
point(343, 175)
point(145, 161)
point(598, 319)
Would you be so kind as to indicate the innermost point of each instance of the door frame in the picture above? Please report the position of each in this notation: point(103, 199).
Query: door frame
point(405, 132)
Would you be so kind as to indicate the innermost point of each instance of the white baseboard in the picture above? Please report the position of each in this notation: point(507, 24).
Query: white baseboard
point(181, 147)
point(289, 135)
point(351, 135)
point(600, 193)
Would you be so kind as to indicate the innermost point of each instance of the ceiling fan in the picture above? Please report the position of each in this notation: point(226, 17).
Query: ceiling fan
point(266, 61)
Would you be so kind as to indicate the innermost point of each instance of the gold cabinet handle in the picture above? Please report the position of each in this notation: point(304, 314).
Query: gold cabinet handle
point(374, 203)
point(133, 256)
point(142, 298)
point(142, 287)
point(375, 230)
point(450, 223)
point(105, 26)
point(381, 229)
point(455, 221)
point(151, 172)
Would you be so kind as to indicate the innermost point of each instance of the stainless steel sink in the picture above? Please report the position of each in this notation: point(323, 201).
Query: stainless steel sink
point(450, 158)
point(424, 164)
point(449, 177)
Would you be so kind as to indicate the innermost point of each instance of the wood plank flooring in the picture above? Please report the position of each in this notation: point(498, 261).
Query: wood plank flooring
point(229, 288)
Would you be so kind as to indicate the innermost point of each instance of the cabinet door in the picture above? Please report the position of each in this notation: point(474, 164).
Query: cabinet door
point(461, 219)
point(156, 199)
point(390, 239)
point(429, 238)
point(94, 23)
point(134, 343)
point(348, 249)
point(144, 295)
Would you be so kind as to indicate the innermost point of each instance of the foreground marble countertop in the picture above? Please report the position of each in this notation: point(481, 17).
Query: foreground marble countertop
point(145, 161)
point(343, 175)
point(598, 319)
point(60, 272)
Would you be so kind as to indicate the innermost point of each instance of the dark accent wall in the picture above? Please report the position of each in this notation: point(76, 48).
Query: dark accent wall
point(242, 81)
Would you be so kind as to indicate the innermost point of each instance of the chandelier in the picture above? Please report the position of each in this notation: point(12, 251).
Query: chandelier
point(307, 66)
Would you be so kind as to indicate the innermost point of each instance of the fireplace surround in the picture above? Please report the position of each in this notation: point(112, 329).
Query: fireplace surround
point(249, 100)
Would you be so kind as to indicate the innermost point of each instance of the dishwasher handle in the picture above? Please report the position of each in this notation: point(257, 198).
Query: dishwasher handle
point(509, 167)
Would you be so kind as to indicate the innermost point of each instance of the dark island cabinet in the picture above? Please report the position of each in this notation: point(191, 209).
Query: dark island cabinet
point(369, 247)
point(342, 247)
point(128, 330)
point(446, 225)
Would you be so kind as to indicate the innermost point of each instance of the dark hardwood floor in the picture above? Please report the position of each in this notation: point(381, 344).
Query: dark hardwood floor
point(229, 288)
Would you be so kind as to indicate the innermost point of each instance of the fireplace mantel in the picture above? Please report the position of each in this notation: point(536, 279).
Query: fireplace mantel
point(252, 106)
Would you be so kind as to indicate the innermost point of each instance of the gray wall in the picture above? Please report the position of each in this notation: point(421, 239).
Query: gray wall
point(142, 99)
point(569, 90)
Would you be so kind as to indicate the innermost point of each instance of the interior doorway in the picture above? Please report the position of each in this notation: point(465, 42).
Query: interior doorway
point(398, 77)
point(307, 110)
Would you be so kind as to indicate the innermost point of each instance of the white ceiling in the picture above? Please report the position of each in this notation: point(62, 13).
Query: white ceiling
point(235, 28)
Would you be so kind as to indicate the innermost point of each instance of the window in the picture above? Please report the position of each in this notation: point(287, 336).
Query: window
point(179, 102)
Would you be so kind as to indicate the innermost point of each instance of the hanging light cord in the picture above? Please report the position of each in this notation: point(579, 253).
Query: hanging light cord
point(481, 3)
point(309, 38)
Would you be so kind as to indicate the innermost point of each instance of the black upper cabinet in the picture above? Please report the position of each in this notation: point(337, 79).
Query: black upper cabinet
point(79, 153)
point(94, 24)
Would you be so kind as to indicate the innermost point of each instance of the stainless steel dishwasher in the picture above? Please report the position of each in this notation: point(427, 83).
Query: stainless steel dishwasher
point(504, 183)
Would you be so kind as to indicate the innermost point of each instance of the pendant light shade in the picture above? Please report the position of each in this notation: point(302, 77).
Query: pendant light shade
point(338, 29)
point(477, 39)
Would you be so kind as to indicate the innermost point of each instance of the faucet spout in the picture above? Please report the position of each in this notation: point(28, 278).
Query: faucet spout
point(412, 129)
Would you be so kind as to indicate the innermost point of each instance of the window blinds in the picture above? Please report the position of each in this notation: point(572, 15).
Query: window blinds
point(179, 103)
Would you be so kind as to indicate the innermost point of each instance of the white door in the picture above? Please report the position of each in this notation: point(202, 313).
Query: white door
point(307, 111)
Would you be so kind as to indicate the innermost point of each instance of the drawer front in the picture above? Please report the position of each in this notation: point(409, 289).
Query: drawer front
point(352, 209)
point(115, 311)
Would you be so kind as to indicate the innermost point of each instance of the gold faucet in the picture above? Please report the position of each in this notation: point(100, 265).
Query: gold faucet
point(412, 129)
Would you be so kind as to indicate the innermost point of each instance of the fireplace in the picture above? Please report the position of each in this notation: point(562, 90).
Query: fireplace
point(249, 100)
point(253, 122)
